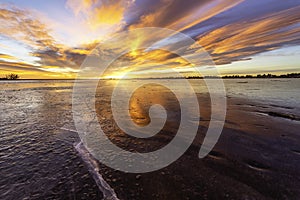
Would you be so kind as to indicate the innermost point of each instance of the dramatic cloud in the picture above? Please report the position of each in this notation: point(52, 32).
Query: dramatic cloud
point(19, 25)
point(230, 30)
point(242, 39)
point(100, 13)
point(179, 15)
point(7, 57)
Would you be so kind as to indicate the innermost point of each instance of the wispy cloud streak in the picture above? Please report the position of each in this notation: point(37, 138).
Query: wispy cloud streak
point(230, 30)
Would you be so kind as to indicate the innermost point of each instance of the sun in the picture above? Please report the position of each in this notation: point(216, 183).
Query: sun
point(133, 53)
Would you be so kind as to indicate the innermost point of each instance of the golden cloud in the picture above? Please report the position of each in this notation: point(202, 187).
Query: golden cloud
point(232, 41)
point(246, 38)
point(100, 13)
point(180, 15)
point(19, 25)
point(7, 57)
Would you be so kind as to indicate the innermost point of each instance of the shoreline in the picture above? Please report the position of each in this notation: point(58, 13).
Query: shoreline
point(249, 161)
point(256, 157)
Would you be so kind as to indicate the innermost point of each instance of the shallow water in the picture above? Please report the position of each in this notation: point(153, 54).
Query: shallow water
point(37, 158)
point(37, 155)
point(283, 93)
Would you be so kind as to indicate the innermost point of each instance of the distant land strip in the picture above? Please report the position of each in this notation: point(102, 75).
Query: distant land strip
point(292, 75)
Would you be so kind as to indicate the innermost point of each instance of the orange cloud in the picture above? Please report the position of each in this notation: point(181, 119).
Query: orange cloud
point(108, 14)
point(100, 13)
point(7, 57)
point(228, 41)
point(180, 15)
point(19, 25)
point(242, 39)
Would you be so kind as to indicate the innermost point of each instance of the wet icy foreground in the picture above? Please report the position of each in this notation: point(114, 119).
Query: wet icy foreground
point(37, 157)
point(257, 156)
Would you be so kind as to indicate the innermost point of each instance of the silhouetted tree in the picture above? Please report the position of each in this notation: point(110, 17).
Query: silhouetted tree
point(12, 76)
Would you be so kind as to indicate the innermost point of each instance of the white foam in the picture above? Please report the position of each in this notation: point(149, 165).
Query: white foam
point(68, 129)
point(93, 167)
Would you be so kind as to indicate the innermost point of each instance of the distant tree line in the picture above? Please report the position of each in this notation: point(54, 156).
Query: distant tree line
point(292, 75)
point(10, 77)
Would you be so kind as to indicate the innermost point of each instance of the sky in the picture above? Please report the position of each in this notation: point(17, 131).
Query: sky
point(51, 39)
